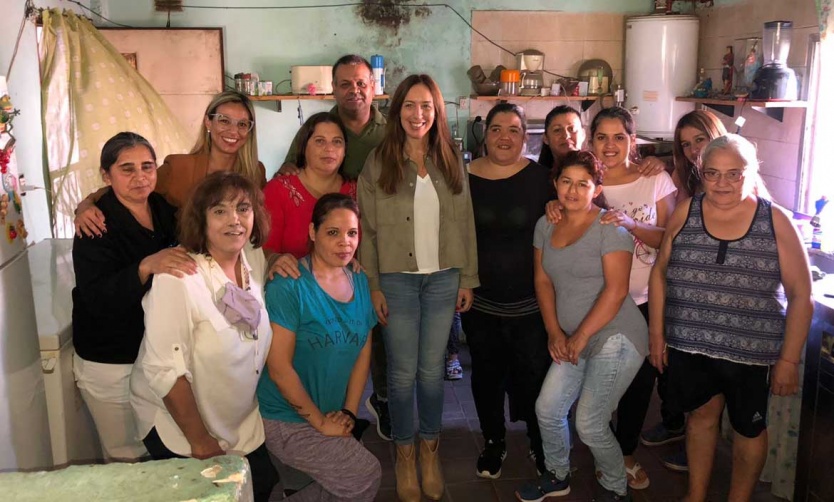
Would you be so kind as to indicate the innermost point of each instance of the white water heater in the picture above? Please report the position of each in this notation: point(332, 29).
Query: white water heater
point(660, 64)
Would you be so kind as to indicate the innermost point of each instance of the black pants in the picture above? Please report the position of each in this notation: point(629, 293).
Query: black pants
point(633, 406)
point(509, 357)
point(264, 475)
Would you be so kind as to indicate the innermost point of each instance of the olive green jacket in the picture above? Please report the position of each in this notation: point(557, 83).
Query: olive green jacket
point(387, 243)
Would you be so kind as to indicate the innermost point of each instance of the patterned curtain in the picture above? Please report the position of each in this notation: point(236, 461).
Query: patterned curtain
point(89, 92)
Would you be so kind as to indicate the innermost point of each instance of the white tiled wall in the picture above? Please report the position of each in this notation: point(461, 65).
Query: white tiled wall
point(566, 38)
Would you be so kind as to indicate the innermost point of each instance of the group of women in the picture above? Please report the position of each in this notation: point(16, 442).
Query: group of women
point(262, 292)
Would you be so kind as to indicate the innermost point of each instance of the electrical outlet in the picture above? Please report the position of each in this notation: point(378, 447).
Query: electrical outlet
point(463, 102)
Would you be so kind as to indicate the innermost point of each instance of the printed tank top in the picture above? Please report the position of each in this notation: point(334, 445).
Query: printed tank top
point(724, 299)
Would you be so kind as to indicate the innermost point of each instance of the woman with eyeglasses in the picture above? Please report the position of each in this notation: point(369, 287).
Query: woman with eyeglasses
point(228, 143)
point(730, 311)
point(207, 336)
point(641, 205)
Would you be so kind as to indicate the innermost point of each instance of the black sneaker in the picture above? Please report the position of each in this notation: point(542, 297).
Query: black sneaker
point(660, 435)
point(490, 460)
point(379, 409)
point(604, 495)
point(548, 485)
point(676, 461)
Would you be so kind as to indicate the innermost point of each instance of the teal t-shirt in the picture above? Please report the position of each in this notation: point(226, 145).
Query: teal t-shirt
point(328, 337)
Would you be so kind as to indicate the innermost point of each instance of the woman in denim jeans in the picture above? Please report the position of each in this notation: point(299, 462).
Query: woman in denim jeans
point(419, 252)
point(596, 335)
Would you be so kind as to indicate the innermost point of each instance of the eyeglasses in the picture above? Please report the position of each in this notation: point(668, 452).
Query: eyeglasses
point(715, 175)
point(227, 122)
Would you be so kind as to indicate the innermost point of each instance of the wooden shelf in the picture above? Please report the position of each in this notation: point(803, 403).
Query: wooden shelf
point(772, 108)
point(278, 98)
point(535, 98)
point(584, 101)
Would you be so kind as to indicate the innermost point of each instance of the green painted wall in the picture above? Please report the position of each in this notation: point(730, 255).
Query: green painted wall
point(434, 40)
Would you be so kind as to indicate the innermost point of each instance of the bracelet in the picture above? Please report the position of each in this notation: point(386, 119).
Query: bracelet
point(349, 413)
point(789, 361)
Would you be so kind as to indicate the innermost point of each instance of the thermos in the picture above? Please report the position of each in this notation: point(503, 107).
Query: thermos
point(378, 66)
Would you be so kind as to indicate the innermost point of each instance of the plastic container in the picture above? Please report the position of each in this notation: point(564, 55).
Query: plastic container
point(777, 41)
point(510, 82)
point(378, 66)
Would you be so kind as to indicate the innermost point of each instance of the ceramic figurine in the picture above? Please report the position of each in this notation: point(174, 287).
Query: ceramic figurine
point(727, 70)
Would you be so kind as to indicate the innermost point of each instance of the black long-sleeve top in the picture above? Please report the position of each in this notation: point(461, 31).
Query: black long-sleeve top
point(107, 318)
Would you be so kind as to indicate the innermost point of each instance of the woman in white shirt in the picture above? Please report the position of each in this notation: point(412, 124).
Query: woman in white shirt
point(207, 336)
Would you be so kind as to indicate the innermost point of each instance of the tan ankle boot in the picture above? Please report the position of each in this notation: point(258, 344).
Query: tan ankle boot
point(433, 484)
point(408, 490)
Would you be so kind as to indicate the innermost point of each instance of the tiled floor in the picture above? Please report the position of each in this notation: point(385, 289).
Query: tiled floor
point(461, 444)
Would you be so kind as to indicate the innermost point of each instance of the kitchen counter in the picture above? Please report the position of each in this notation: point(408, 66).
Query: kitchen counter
point(219, 479)
point(815, 461)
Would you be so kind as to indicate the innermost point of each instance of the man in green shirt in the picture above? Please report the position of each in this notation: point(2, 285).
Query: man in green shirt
point(353, 90)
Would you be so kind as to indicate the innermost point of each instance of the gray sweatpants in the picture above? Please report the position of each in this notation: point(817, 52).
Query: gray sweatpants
point(342, 469)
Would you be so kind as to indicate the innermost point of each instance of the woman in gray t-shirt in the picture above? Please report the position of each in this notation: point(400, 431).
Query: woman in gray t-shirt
point(596, 336)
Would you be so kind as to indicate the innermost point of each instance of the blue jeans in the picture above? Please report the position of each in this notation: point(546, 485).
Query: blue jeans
point(599, 382)
point(420, 311)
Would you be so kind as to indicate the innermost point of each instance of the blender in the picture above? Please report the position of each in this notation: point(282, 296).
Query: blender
point(774, 80)
point(531, 63)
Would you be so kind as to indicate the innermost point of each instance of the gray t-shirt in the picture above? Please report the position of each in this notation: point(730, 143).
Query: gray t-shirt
point(577, 276)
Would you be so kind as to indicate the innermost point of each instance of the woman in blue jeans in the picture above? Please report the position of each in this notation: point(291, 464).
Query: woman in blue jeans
point(597, 337)
point(418, 249)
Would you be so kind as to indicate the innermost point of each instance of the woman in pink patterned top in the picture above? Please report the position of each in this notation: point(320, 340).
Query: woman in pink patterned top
point(290, 199)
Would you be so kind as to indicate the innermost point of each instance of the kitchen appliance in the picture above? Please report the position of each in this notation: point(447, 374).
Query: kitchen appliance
point(660, 64)
point(320, 77)
point(71, 428)
point(774, 80)
point(598, 74)
point(24, 422)
point(531, 65)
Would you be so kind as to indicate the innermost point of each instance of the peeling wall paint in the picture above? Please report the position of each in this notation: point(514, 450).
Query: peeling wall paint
point(413, 38)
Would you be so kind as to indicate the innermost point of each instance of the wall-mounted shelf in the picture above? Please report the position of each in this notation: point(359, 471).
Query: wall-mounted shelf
point(585, 101)
point(773, 109)
point(278, 98)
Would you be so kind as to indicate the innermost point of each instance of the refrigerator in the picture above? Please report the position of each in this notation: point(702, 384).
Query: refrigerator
point(25, 442)
point(71, 428)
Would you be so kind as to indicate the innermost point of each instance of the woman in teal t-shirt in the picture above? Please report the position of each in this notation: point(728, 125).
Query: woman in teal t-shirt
point(319, 360)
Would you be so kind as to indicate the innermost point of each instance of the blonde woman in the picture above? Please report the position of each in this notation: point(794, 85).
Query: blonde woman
point(228, 143)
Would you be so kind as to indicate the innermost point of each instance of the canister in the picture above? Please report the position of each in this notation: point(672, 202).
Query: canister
point(378, 66)
point(510, 80)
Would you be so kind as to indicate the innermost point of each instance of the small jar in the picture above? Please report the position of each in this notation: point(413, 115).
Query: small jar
point(510, 81)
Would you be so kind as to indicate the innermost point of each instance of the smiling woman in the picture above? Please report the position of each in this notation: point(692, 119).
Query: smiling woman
point(504, 328)
point(207, 336)
point(290, 199)
point(419, 252)
point(229, 144)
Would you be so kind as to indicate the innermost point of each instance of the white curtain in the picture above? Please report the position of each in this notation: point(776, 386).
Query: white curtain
point(90, 93)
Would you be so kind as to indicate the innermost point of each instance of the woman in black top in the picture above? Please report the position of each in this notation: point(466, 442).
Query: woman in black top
point(504, 328)
point(112, 274)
